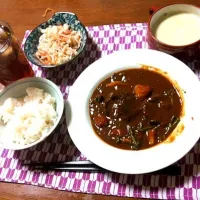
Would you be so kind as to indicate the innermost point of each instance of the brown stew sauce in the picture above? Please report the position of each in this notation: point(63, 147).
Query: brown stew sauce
point(135, 109)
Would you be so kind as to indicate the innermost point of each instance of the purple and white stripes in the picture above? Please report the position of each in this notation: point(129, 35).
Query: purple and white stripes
point(102, 40)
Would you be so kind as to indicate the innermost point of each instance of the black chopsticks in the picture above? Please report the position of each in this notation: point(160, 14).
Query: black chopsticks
point(88, 166)
point(84, 166)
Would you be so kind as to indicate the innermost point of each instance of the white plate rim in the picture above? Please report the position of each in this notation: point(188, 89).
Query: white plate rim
point(123, 161)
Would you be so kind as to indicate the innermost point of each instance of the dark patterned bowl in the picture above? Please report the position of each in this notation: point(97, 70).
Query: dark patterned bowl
point(58, 18)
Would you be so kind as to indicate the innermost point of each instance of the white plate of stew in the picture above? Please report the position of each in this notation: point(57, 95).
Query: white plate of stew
point(134, 111)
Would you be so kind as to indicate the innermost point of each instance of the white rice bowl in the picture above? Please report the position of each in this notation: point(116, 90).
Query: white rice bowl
point(26, 119)
point(30, 109)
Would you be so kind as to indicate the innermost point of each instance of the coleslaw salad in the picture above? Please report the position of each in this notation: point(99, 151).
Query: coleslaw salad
point(58, 44)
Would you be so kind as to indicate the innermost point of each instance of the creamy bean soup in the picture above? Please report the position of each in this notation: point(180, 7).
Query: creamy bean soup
point(178, 29)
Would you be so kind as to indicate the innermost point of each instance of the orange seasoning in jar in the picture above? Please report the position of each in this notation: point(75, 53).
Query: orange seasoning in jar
point(13, 64)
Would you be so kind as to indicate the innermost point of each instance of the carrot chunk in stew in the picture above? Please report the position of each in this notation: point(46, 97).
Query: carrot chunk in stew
point(151, 136)
point(100, 121)
point(142, 90)
point(116, 83)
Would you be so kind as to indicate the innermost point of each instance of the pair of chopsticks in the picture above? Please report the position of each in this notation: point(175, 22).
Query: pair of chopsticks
point(82, 165)
point(88, 166)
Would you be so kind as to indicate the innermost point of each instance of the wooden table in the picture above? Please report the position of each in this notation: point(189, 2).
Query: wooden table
point(26, 14)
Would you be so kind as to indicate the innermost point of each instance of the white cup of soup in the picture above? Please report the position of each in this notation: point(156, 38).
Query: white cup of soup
point(175, 29)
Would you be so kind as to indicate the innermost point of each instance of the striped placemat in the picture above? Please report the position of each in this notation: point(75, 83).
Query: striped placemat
point(103, 40)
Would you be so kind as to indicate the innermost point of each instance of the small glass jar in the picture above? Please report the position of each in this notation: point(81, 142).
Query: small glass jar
point(13, 63)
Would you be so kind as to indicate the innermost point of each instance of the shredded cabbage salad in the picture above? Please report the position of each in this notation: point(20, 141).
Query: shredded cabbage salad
point(58, 44)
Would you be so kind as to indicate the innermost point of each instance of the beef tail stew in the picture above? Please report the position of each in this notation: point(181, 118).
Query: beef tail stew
point(135, 109)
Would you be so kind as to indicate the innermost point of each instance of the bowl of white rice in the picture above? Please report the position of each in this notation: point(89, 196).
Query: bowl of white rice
point(30, 109)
